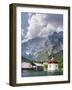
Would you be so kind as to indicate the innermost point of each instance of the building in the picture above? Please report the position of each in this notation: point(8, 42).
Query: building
point(52, 64)
point(32, 66)
point(38, 67)
point(26, 65)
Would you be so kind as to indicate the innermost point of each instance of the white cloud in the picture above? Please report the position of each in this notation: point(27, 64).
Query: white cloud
point(59, 28)
point(36, 23)
point(40, 25)
point(38, 19)
point(30, 14)
point(48, 29)
point(22, 32)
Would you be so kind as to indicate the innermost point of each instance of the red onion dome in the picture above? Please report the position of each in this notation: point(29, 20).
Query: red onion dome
point(52, 60)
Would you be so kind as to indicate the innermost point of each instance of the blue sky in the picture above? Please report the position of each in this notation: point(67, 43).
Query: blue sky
point(24, 20)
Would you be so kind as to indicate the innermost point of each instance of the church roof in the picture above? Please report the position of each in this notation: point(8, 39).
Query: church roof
point(52, 60)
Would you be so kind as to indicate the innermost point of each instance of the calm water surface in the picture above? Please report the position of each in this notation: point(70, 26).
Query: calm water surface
point(29, 73)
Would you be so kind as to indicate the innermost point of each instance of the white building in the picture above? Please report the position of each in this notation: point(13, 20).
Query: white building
point(38, 67)
point(52, 65)
point(26, 65)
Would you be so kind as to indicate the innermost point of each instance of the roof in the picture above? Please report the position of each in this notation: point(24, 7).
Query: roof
point(52, 60)
point(37, 64)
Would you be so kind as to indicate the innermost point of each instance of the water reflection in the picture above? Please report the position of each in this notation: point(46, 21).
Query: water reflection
point(29, 73)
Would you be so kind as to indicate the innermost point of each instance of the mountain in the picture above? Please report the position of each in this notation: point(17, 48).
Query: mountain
point(58, 56)
point(32, 46)
point(56, 40)
point(40, 48)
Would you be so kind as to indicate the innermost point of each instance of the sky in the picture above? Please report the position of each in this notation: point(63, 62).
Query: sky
point(39, 25)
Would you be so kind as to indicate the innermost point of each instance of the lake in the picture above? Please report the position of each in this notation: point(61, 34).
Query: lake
point(31, 73)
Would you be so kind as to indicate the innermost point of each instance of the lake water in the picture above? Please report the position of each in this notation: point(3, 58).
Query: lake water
point(31, 73)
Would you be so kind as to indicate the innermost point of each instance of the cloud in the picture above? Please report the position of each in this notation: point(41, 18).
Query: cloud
point(40, 25)
point(59, 29)
point(22, 34)
point(48, 29)
point(38, 19)
point(56, 19)
point(30, 15)
point(36, 23)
